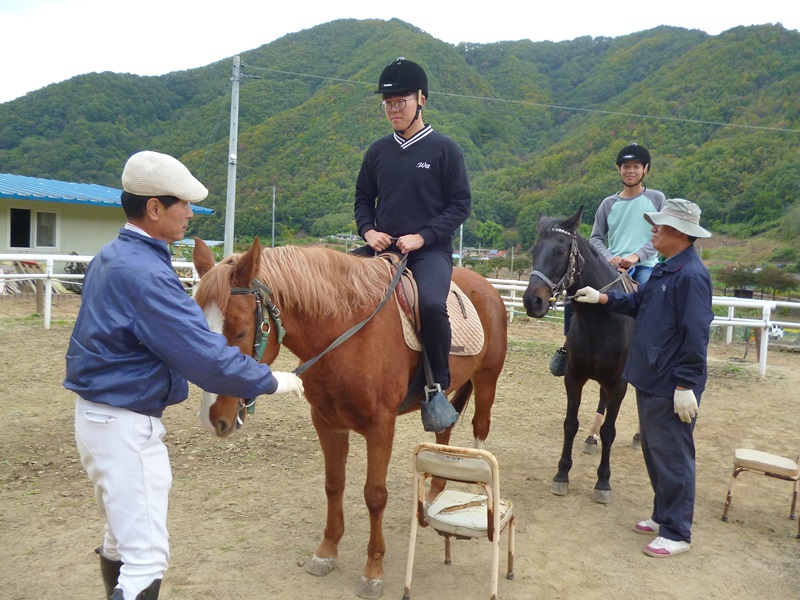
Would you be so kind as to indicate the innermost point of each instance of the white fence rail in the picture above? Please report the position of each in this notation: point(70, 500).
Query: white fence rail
point(49, 276)
point(511, 291)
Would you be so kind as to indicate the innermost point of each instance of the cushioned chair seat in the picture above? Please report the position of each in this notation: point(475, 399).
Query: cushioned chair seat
point(463, 514)
point(764, 461)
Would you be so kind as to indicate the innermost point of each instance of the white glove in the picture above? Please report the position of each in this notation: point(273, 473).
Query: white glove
point(686, 405)
point(288, 383)
point(588, 295)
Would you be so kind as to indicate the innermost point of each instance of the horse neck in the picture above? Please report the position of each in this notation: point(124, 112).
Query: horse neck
point(318, 302)
point(595, 272)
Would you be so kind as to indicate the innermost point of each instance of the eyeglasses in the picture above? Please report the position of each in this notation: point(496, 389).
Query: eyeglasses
point(398, 105)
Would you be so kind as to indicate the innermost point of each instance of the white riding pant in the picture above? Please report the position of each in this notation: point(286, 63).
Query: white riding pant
point(128, 463)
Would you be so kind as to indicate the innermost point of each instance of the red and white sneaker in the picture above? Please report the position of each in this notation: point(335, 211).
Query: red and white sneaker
point(648, 527)
point(662, 547)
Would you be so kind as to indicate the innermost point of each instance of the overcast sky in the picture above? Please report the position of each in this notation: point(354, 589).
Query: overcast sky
point(48, 41)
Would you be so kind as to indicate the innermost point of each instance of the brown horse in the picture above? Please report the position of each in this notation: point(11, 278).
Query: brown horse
point(359, 386)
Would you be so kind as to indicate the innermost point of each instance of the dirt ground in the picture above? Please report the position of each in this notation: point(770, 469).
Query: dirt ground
point(247, 512)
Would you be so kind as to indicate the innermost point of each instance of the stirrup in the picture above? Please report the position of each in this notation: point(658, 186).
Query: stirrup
point(437, 412)
point(558, 364)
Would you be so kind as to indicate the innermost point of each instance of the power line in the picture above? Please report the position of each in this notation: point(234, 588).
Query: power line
point(548, 106)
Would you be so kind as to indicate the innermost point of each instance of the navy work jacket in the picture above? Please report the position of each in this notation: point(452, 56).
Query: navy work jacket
point(669, 346)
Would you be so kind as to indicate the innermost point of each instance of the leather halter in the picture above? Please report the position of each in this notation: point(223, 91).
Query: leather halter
point(266, 311)
point(574, 265)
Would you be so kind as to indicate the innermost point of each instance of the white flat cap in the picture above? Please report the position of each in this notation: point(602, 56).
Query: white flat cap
point(154, 174)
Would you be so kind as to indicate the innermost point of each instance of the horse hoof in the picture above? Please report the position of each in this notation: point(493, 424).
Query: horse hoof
point(602, 496)
point(559, 488)
point(590, 445)
point(636, 442)
point(320, 567)
point(370, 588)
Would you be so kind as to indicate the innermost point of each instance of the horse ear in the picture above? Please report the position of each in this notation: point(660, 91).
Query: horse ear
point(248, 265)
point(202, 257)
point(573, 222)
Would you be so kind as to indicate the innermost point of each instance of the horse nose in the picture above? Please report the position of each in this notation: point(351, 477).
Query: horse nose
point(535, 305)
point(224, 427)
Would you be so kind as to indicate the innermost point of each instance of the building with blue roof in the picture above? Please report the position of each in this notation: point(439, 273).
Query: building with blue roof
point(45, 216)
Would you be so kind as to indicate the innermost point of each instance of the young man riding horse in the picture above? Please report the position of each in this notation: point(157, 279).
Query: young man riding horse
point(412, 193)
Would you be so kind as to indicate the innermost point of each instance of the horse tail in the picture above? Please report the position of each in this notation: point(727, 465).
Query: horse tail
point(461, 397)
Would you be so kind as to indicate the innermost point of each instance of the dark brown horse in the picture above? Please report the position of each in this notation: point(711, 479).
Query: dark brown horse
point(360, 385)
point(597, 341)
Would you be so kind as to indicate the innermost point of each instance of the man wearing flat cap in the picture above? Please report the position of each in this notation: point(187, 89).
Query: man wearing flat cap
point(137, 340)
point(666, 365)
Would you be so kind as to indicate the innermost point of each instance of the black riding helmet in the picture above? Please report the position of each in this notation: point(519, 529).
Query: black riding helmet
point(402, 75)
point(634, 152)
point(637, 153)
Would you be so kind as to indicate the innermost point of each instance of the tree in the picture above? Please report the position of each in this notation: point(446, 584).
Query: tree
point(481, 267)
point(736, 277)
point(775, 279)
point(498, 264)
point(490, 234)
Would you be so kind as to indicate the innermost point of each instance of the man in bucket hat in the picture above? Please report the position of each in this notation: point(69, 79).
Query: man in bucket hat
point(666, 365)
point(137, 340)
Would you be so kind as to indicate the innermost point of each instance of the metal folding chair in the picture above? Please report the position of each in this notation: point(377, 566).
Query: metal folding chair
point(460, 514)
point(770, 465)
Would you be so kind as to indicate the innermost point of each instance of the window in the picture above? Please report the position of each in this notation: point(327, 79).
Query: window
point(33, 228)
point(45, 230)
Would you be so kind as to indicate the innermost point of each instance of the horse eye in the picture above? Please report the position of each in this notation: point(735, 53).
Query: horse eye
point(242, 334)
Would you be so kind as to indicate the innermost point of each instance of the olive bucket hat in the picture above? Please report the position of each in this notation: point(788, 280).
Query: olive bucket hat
point(679, 214)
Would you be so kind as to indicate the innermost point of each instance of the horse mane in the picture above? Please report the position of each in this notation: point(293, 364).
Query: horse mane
point(215, 286)
point(317, 282)
point(323, 283)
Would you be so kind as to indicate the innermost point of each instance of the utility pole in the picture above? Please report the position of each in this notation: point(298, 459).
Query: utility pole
point(460, 243)
point(273, 216)
point(230, 205)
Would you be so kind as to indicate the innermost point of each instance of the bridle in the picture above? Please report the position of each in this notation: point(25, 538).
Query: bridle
point(574, 266)
point(266, 313)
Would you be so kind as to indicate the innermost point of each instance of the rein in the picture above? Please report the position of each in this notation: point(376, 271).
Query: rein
point(605, 288)
point(401, 267)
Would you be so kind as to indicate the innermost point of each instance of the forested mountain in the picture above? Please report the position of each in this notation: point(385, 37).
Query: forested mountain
point(540, 124)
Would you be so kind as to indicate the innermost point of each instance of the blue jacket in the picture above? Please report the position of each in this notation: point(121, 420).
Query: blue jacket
point(139, 336)
point(669, 347)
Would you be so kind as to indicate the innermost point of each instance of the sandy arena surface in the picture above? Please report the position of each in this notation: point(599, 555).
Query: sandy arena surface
point(247, 512)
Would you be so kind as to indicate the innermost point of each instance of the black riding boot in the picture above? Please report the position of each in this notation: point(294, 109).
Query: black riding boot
point(109, 569)
point(149, 593)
